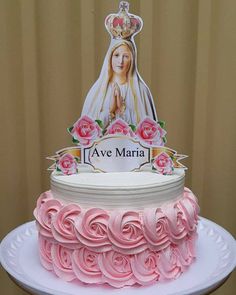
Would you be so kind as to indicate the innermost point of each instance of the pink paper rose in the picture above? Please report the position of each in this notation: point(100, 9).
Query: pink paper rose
point(91, 229)
point(156, 231)
point(45, 216)
point(67, 164)
point(125, 232)
point(151, 132)
point(144, 266)
point(62, 262)
point(163, 164)
point(119, 126)
point(85, 266)
point(116, 268)
point(45, 247)
point(63, 224)
point(86, 130)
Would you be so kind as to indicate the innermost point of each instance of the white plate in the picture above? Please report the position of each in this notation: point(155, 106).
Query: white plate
point(216, 259)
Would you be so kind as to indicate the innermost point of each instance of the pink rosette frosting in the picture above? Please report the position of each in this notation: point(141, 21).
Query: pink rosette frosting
point(67, 164)
point(177, 230)
point(185, 251)
point(62, 262)
point(63, 224)
point(44, 197)
point(119, 126)
point(116, 269)
point(163, 164)
point(151, 132)
point(125, 232)
point(168, 264)
point(91, 229)
point(144, 266)
point(85, 266)
point(45, 216)
point(86, 130)
point(188, 211)
point(45, 247)
point(155, 226)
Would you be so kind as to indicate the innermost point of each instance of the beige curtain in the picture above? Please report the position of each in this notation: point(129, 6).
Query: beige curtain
point(51, 52)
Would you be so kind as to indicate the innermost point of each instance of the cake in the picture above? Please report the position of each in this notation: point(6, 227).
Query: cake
point(118, 212)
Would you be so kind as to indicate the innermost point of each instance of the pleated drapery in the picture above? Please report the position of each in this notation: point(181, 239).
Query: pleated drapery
point(51, 52)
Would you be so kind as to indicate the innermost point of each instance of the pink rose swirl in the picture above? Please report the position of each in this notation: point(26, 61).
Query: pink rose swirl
point(188, 213)
point(119, 126)
point(91, 229)
point(62, 262)
point(163, 164)
point(44, 197)
point(45, 216)
point(85, 266)
point(151, 132)
point(63, 224)
point(45, 246)
point(86, 130)
point(67, 164)
point(125, 232)
point(116, 269)
point(168, 265)
point(177, 230)
point(144, 266)
point(156, 230)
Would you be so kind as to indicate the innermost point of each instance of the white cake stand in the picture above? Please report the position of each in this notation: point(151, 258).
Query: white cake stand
point(216, 259)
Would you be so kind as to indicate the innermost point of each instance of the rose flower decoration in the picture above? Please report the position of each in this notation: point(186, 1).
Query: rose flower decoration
point(151, 132)
point(67, 164)
point(119, 126)
point(85, 131)
point(163, 164)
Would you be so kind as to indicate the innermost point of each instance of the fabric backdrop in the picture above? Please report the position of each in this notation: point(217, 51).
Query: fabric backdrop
point(51, 52)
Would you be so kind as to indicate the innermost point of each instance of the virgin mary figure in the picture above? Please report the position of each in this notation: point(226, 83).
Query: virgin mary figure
point(119, 91)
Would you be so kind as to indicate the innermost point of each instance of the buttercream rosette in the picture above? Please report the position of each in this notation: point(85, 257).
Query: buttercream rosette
point(117, 247)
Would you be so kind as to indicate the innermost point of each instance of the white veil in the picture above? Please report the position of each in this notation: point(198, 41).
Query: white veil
point(140, 94)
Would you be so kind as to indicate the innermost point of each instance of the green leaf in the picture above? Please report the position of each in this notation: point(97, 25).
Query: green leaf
point(58, 169)
point(104, 131)
point(100, 123)
point(77, 159)
point(161, 123)
point(70, 129)
point(164, 139)
point(75, 140)
point(133, 127)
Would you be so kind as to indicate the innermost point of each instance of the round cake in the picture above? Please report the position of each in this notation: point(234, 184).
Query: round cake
point(118, 212)
point(117, 228)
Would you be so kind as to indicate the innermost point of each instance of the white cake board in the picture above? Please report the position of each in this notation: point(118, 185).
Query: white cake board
point(216, 259)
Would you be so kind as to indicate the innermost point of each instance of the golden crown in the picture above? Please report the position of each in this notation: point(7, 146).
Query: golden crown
point(123, 25)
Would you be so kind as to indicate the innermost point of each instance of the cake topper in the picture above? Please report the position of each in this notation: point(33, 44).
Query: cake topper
point(118, 129)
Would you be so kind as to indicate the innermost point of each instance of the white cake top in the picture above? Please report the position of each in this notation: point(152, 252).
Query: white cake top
point(118, 189)
point(117, 179)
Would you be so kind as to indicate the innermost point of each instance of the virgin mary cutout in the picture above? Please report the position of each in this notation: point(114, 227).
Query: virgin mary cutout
point(120, 91)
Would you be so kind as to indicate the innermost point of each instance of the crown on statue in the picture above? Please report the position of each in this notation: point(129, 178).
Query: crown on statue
point(123, 25)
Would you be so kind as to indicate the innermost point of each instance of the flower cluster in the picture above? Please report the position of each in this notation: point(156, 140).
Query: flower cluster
point(117, 247)
point(86, 130)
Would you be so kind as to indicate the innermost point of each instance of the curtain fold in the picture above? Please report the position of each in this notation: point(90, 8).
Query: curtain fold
point(51, 53)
